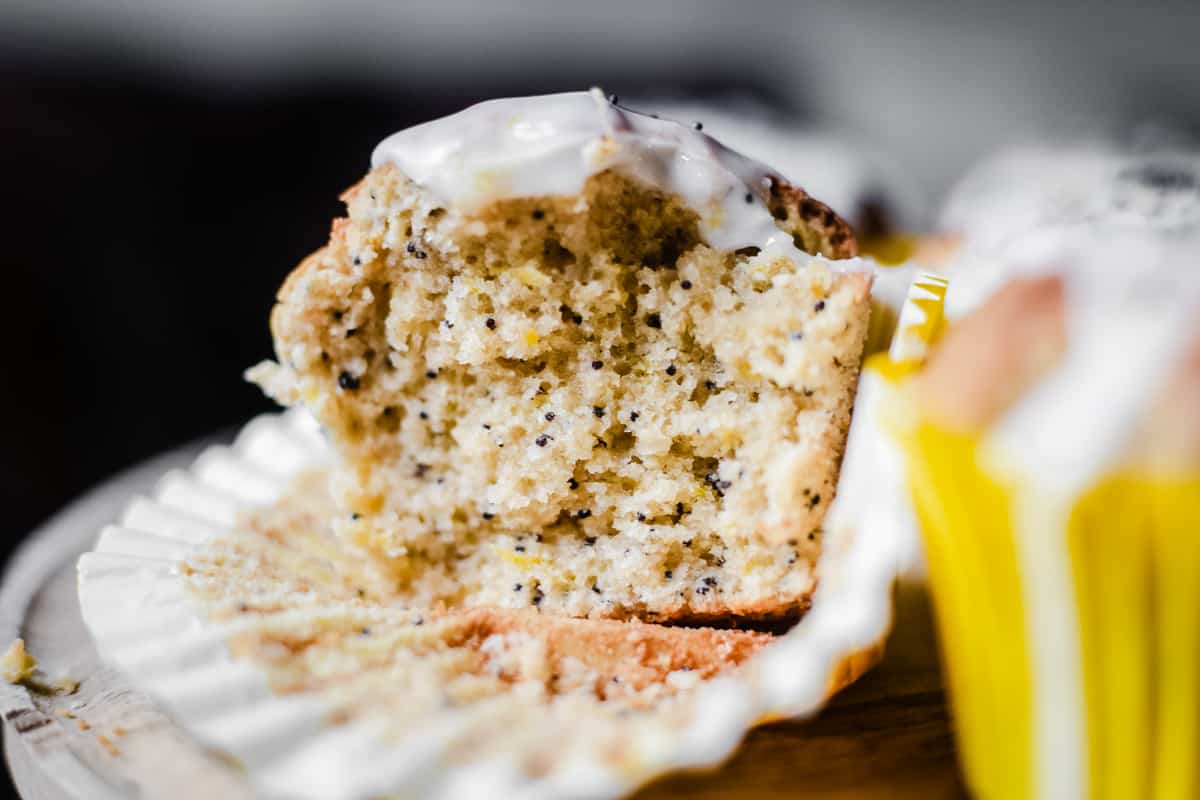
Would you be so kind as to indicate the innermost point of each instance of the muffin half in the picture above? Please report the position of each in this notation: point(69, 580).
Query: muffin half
point(579, 359)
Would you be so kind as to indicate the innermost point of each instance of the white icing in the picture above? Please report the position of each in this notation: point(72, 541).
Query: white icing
point(551, 144)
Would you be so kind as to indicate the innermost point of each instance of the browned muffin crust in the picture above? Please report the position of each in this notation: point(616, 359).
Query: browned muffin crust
point(815, 227)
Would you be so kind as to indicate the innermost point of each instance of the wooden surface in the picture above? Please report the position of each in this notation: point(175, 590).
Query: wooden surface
point(887, 736)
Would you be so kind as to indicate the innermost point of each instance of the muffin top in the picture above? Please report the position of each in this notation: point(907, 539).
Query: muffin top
point(551, 144)
point(1077, 348)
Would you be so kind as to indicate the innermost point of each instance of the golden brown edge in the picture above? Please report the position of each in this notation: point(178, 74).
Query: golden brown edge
point(816, 227)
point(638, 653)
point(645, 652)
point(853, 667)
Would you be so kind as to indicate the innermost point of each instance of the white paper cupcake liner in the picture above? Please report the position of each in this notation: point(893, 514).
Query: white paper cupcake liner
point(135, 601)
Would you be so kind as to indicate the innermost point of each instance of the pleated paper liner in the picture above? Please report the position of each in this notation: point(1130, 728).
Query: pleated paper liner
point(1070, 628)
point(872, 492)
point(136, 602)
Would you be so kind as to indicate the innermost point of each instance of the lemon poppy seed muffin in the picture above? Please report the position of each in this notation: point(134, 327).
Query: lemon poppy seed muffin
point(579, 359)
point(1053, 457)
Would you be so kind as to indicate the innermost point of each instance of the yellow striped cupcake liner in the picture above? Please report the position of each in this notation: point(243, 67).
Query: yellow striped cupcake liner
point(1069, 627)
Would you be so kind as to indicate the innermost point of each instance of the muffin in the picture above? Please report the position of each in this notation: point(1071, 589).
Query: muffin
point(579, 359)
point(325, 621)
point(1054, 460)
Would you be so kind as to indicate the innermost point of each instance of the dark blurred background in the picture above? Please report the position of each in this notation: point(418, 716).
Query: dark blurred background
point(166, 164)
